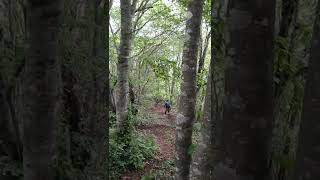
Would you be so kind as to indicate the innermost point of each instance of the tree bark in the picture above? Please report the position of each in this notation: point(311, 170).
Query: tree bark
point(84, 116)
point(203, 52)
point(308, 158)
point(247, 116)
point(201, 167)
point(9, 138)
point(97, 168)
point(297, 21)
point(41, 89)
point(186, 112)
point(283, 146)
point(127, 12)
point(203, 158)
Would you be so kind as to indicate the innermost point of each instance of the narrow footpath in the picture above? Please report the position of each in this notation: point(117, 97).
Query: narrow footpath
point(163, 129)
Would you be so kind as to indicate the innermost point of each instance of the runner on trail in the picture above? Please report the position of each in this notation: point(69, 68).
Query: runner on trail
point(167, 106)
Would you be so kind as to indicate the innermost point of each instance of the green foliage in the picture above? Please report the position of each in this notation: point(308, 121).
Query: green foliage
point(130, 150)
point(154, 72)
point(166, 17)
point(156, 49)
point(128, 153)
point(207, 10)
point(202, 79)
point(112, 119)
point(161, 67)
point(192, 149)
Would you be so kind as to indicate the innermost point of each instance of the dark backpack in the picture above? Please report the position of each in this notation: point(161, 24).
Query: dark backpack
point(167, 105)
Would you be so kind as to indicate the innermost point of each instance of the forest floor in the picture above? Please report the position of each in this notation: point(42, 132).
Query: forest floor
point(162, 127)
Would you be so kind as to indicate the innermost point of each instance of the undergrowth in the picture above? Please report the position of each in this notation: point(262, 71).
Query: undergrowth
point(165, 172)
point(130, 151)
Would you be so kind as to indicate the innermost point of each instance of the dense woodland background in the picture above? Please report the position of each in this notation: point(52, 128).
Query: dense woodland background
point(242, 77)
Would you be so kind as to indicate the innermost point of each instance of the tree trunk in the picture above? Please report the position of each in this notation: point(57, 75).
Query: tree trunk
point(202, 56)
point(187, 103)
point(84, 116)
point(294, 39)
point(173, 81)
point(289, 13)
point(285, 94)
point(201, 167)
point(308, 147)
point(203, 159)
point(9, 139)
point(97, 168)
point(247, 121)
point(127, 12)
point(41, 89)
point(203, 52)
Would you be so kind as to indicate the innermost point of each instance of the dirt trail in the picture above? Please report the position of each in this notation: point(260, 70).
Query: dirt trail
point(163, 129)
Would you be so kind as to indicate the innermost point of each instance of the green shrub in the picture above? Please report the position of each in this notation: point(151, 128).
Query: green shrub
point(129, 150)
point(112, 119)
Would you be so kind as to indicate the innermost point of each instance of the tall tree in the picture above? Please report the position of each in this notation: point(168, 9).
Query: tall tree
point(247, 116)
point(186, 111)
point(295, 19)
point(12, 29)
point(83, 128)
point(201, 167)
point(10, 144)
point(127, 13)
point(41, 88)
point(204, 44)
point(294, 32)
point(97, 166)
point(308, 158)
point(203, 158)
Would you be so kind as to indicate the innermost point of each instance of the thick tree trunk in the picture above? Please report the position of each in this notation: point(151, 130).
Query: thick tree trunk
point(203, 159)
point(287, 30)
point(12, 30)
point(247, 121)
point(41, 89)
point(308, 148)
point(74, 116)
point(187, 103)
point(201, 167)
point(297, 18)
point(122, 97)
point(283, 146)
point(85, 79)
point(9, 138)
point(97, 168)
